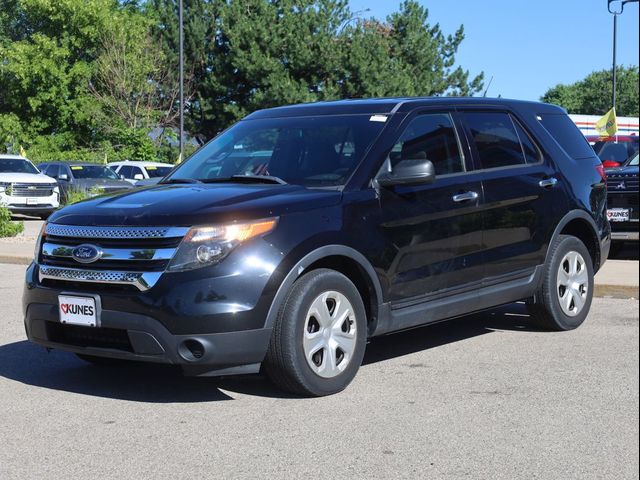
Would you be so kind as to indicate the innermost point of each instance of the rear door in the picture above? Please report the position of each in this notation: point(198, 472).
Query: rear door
point(522, 193)
point(432, 233)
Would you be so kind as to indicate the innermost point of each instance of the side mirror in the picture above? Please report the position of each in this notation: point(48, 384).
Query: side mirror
point(64, 177)
point(138, 176)
point(121, 177)
point(409, 172)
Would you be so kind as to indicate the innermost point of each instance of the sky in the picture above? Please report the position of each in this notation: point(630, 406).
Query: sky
point(528, 46)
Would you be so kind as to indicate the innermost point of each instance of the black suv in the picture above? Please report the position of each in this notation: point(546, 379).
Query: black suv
point(300, 232)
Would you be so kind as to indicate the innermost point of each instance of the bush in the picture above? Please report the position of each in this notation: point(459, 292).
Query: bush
point(75, 195)
point(7, 227)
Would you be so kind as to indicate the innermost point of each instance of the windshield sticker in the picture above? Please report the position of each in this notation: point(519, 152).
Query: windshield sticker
point(378, 118)
point(152, 168)
point(76, 168)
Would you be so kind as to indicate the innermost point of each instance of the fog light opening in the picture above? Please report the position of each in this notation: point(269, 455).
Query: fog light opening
point(192, 350)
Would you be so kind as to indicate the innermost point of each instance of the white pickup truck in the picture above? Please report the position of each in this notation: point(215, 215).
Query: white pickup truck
point(25, 190)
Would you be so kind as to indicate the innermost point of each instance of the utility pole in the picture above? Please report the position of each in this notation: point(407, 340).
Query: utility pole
point(615, 12)
point(181, 74)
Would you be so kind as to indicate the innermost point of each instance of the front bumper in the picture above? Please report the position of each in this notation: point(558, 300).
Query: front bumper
point(21, 205)
point(32, 210)
point(162, 325)
point(622, 236)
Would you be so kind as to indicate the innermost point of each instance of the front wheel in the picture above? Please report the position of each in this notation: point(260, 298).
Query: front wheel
point(319, 336)
point(564, 299)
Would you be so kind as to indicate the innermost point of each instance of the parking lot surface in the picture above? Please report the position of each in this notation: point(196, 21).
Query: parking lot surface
point(485, 396)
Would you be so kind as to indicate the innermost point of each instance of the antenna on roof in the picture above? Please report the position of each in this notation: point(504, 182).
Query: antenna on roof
point(487, 89)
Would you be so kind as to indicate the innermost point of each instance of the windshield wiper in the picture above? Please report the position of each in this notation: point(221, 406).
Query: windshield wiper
point(246, 179)
point(179, 180)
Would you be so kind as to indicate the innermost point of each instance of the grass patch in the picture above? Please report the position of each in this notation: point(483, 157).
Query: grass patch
point(7, 227)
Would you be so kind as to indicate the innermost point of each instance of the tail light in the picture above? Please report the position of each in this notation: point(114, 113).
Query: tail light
point(610, 164)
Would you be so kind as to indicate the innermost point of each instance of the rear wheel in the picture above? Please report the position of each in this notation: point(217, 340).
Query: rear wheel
point(564, 299)
point(319, 336)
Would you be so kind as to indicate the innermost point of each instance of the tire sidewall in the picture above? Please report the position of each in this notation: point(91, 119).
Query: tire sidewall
point(565, 245)
point(302, 295)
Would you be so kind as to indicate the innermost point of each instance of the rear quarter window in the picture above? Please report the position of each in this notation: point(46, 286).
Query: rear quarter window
point(567, 134)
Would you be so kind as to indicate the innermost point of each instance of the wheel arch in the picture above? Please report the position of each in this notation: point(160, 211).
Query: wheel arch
point(345, 260)
point(581, 225)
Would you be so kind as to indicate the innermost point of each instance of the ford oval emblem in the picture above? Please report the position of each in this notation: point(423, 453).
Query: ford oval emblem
point(86, 253)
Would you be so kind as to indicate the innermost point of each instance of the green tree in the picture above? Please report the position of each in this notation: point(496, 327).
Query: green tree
point(592, 95)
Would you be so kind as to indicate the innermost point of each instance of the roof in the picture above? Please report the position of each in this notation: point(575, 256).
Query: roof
point(60, 162)
point(393, 105)
point(136, 163)
point(8, 156)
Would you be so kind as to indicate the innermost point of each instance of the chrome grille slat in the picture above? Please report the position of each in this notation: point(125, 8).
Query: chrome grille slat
point(141, 280)
point(115, 254)
point(72, 231)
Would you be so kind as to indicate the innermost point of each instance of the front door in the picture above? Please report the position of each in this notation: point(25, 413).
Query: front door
point(432, 233)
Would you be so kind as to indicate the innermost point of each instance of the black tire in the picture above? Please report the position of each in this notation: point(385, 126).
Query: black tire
point(103, 361)
point(544, 307)
point(285, 363)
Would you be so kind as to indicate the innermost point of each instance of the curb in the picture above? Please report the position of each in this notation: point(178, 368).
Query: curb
point(15, 260)
point(617, 291)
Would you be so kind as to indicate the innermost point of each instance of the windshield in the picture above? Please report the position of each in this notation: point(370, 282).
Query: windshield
point(17, 165)
point(617, 151)
point(309, 151)
point(155, 172)
point(93, 171)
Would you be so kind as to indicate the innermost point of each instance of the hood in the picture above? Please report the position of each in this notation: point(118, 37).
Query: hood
point(106, 183)
point(26, 178)
point(193, 204)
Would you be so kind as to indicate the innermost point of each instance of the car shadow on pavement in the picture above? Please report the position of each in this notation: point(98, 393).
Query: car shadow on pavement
point(29, 364)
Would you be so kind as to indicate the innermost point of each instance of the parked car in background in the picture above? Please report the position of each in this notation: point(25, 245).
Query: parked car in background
point(24, 189)
point(302, 231)
point(88, 177)
point(147, 172)
point(622, 201)
point(615, 151)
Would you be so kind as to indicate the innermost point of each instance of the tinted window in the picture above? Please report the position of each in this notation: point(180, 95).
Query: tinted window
point(92, 171)
point(568, 136)
point(51, 170)
point(531, 152)
point(155, 172)
point(495, 139)
point(16, 165)
point(312, 151)
point(136, 171)
point(431, 137)
point(125, 171)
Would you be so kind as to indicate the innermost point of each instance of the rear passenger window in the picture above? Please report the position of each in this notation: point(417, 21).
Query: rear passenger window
point(432, 137)
point(495, 139)
point(567, 134)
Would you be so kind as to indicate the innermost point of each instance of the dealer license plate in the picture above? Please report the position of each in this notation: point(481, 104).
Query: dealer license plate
point(618, 214)
point(78, 310)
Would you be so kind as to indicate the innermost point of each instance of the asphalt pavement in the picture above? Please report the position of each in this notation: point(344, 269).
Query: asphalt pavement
point(483, 397)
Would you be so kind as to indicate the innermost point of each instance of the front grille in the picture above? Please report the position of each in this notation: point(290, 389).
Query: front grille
point(622, 182)
point(31, 190)
point(94, 337)
point(124, 256)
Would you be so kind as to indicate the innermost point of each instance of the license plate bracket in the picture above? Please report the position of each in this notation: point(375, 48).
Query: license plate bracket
point(32, 201)
point(79, 309)
point(619, 214)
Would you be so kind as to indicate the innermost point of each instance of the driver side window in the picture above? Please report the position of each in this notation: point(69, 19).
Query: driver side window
point(430, 136)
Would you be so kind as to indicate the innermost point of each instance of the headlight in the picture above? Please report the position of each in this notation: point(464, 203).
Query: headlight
point(41, 236)
point(208, 245)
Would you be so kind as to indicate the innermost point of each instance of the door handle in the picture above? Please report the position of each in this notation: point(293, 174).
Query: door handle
point(465, 197)
point(548, 182)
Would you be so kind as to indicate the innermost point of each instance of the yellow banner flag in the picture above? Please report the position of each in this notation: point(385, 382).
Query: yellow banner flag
point(179, 159)
point(607, 126)
point(23, 153)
